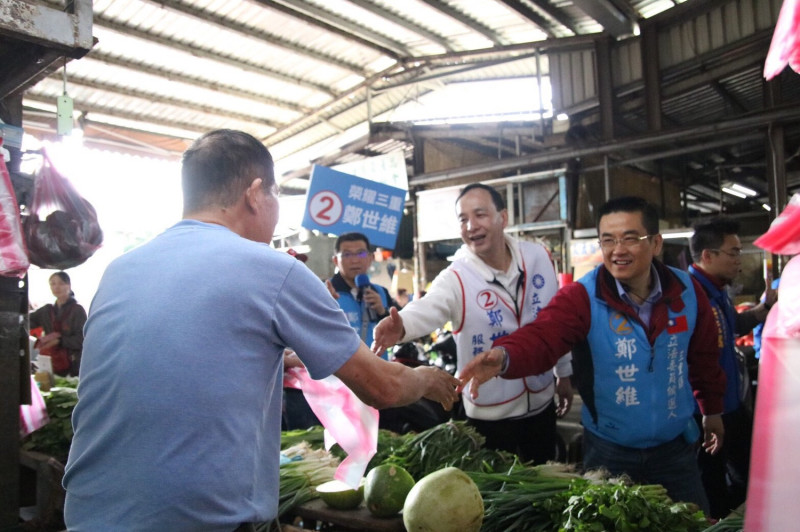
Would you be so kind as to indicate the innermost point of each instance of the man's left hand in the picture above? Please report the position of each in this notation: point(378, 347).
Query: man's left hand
point(713, 433)
point(563, 396)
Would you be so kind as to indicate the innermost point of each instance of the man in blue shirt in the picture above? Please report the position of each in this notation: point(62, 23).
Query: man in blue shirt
point(177, 425)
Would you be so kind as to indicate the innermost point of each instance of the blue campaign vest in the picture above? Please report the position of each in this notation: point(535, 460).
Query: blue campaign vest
point(642, 395)
point(354, 310)
point(724, 315)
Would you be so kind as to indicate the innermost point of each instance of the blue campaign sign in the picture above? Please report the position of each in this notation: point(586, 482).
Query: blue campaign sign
point(340, 203)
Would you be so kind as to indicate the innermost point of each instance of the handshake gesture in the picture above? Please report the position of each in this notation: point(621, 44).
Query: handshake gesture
point(480, 369)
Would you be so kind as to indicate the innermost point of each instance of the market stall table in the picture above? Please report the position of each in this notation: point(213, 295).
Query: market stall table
point(343, 520)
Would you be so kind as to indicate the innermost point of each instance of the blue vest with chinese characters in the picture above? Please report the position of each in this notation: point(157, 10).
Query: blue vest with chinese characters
point(641, 392)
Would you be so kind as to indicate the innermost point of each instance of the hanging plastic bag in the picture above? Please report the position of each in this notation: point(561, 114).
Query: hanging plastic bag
point(13, 255)
point(33, 416)
point(62, 230)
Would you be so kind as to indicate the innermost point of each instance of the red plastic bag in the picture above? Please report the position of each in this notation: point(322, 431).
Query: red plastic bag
point(13, 256)
point(62, 230)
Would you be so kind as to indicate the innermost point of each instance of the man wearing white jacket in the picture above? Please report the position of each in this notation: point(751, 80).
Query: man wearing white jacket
point(495, 285)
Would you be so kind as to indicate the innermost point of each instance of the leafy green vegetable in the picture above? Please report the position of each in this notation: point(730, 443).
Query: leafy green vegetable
point(65, 382)
point(55, 438)
point(732, 523)
point(523, 497)
point(449, 444)
point(388, 442)
point(618, 506)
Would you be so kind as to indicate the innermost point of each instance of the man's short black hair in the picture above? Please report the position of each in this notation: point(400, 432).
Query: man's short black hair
point(351, 237)
point(710, 234)
point(219, 166)
point(497, 199)
point(631, 204)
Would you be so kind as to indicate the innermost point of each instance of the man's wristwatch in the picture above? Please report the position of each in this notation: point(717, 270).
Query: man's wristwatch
point(504, 367)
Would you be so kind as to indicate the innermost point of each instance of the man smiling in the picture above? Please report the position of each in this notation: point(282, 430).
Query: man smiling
point(643, 340)
point(495, 284)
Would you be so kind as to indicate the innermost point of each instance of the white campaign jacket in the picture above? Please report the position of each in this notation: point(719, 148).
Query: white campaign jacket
point(483, 304)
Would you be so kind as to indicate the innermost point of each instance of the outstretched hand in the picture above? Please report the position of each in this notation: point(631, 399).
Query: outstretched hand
point(440, 386)
point(480, 369)
point(387, 332)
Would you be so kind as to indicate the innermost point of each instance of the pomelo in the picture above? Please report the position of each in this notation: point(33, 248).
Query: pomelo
point(444, 501)
point(339, 495)
point(386, 488)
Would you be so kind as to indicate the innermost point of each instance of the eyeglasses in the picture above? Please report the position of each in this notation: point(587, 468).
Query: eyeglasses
point(357, 255)
point(735, 252)
point(630, 241)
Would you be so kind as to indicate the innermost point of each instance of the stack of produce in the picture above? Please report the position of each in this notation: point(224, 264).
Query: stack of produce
point(305, 469)
point(513, 495)
point(551, 497)
point(452, 444)
point(55, 438)
point(497, 492)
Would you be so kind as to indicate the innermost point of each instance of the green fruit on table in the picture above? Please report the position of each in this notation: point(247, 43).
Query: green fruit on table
point(386, 488)
point(339, 495)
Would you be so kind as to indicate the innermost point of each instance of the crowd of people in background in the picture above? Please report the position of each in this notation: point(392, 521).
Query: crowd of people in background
point(649, 348)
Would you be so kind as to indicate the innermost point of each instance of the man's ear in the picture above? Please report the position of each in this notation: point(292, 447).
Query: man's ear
point(658, 243)
point(251, 194)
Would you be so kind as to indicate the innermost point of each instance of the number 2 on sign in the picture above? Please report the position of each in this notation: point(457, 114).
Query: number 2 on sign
point(325, 208)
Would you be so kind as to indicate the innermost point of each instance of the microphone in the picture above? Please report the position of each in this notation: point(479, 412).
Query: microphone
point(362, 282)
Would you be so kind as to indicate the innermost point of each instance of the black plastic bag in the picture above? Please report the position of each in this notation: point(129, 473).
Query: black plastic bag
point(62, 229)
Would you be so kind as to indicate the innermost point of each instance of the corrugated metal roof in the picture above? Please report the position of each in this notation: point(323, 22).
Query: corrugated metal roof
point(186, 66)
point(300, 73)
